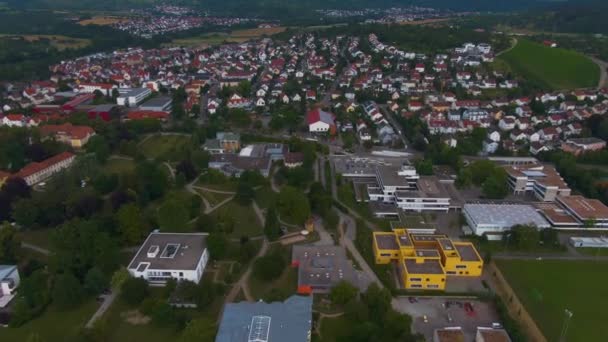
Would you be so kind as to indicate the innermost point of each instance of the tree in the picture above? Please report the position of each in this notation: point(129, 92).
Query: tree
point(205, 223)
point(119, 277)
point(244, 194)
point(95, 281)
point(424, 167)
point(198, 330)
point(131, 223)
point(218, 245)
point(186, 168)
point(272, 227)
point(378, 301)
point(200, 159)
point(343, 292)
point(25, 212)
point(524, 237)
point(9, 244)
point(99, 146)
point(67, 291)
point(293, 204)
point(173, 214)
point(496, 185)
point(134, 290)
point(269, 267)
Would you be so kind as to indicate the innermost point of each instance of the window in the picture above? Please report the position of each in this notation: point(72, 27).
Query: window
point(385, 254)
point(451, 272)
point(432, 286)
point(427, 279)
point(181, 274)
point(417, 286)
point(415, 279)
point(461, 266)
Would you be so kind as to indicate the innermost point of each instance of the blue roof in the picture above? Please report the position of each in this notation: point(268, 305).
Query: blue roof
point(6, 270)
point(264, 322)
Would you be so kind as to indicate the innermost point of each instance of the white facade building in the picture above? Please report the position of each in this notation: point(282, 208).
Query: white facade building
point(164, 256)
point(9, 281)
point(493, 220)
point(131, 97)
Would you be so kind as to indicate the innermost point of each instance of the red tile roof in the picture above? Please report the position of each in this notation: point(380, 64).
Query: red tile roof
point(147, 114)
point(75, 132)
point(33, 168)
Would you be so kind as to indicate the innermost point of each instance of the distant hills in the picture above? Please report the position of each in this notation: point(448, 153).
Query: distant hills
point(257, 5)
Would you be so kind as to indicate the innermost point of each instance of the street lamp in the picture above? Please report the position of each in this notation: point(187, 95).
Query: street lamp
point(569, 315)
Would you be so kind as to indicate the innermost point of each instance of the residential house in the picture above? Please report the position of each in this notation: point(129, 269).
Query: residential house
point(320, 121)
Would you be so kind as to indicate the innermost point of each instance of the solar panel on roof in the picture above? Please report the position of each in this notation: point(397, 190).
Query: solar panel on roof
point(532, 173)
point(260, 329)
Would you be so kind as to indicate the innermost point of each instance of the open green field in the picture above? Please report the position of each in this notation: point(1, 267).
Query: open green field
point(53, 324)
point(549, 287)
point(553, 68)
point(216, 38)
point(164, 147)
point(245, 221)
point(119, 166)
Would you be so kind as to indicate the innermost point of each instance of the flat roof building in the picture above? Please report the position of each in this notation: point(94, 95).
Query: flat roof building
point(591, 213)
point(164, 256)
point(321, 267)
point(541, 180)
point(589, 242)
point(290, 320)
point(495, 219)
point(425, 260)
point(157, 104)
point(131, 97)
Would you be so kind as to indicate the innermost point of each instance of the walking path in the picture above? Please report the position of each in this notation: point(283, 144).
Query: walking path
point(35, 248)
point(107, 302)
point(603, 82)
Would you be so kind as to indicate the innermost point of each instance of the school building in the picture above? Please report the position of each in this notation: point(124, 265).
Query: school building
point(425, 261)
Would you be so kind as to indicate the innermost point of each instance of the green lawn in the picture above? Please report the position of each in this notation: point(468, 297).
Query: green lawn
point(53, 324)
point(332, 329)
point(245, 221)
point(119, 166)
point(214, 198)
point(265, 197)
point(166, 147)
point(553, 68)
point(549, 287)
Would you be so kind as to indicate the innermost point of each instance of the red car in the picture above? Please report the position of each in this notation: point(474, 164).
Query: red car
point(469, 309)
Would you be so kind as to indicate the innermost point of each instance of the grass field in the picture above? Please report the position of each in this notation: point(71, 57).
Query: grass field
point(53, 324)
point(551, 67)
point(237, 36)
point(163, 146)
point(57, 41)
point(103, 20)
point(246, 222)
point(119, 166)
point(549, 287)
point(265, 197)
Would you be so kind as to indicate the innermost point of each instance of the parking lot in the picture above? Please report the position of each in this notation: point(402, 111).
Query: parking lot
point(446, 312)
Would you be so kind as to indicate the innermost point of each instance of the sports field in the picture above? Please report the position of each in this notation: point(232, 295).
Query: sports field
point(548, 287)
point(553, 68)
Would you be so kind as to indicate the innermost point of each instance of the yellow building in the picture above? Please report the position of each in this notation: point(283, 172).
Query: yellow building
point(424, 261)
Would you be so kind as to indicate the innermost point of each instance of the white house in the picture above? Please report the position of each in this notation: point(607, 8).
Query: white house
point(9, 281)
point(320, 121)
point(164, 256)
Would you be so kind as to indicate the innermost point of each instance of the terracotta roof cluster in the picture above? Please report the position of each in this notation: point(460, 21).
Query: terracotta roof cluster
point(33, 168)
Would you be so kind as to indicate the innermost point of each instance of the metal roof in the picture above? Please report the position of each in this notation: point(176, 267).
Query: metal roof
point(258, 321)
